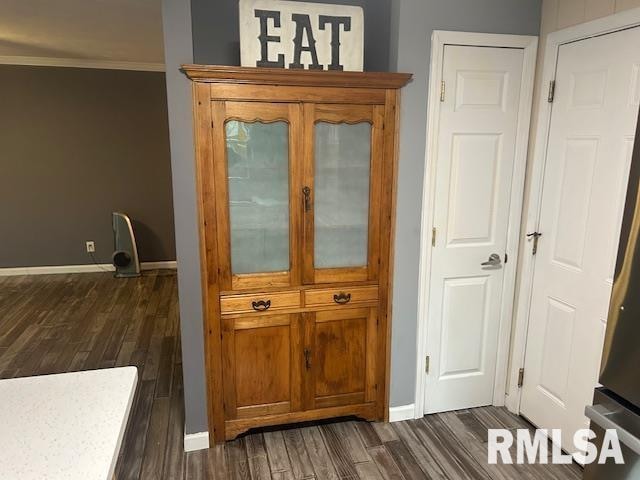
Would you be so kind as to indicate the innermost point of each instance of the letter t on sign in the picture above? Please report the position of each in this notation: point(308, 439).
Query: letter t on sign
point(335, 23)
point(265, 38)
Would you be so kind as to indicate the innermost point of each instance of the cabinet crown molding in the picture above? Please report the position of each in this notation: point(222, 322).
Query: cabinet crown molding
point(279, 76)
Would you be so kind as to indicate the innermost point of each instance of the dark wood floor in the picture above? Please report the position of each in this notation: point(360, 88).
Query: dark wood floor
point(61, 323)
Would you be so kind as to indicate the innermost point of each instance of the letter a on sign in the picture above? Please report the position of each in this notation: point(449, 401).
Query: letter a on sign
point(299, 35)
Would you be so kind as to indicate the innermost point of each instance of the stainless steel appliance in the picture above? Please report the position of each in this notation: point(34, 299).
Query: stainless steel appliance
point(617, 404)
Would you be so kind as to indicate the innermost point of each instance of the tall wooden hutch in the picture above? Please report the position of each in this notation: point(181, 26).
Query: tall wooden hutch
point(296, 174)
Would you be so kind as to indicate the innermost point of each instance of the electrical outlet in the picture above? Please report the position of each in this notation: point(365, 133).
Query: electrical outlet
point(91, 246)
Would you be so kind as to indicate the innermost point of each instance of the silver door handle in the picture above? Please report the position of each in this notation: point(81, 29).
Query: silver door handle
point(494, 259)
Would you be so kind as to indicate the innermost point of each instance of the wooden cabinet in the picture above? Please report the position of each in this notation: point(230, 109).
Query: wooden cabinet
point(296, 174)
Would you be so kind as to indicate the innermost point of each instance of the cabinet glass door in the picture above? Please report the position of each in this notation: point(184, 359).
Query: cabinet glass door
point(341, 212)
point(342, 177)
point(257, 219)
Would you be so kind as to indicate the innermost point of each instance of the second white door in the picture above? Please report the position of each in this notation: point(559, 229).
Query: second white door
point(588, 156)
point(476, 152)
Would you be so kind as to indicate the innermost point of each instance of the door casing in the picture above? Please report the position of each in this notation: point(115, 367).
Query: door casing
point(439, 39)
point(601, 26)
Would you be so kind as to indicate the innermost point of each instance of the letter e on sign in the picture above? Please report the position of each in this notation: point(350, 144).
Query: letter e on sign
point(300, 35)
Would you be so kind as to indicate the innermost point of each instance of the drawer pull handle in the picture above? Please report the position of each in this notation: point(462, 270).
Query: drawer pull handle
point(261, 305)
point(342, 298)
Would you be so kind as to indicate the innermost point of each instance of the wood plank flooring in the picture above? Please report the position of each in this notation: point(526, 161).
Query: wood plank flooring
point(61, 323)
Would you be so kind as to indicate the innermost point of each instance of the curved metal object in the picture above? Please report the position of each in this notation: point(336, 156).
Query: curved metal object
point(494, 261)
point(342, 298)
point(261, 305)
point(124, 243)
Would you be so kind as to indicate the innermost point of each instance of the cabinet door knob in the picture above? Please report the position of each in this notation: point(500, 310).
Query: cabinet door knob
point(261, 305)
point(342, 298)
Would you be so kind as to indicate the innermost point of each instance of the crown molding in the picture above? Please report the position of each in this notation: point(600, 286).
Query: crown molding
point(289, 77)
point(80, 63)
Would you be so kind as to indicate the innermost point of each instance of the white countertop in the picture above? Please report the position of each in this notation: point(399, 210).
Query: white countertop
point(65, 426)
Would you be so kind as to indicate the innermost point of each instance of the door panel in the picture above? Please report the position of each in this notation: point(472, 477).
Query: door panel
point(474, 168)
point(472, 195)
point(341, 356)
point(577, 164)
point(262, 365)
point(464, 326)
point(589, 149)
point(342, 191)
point(258, 224)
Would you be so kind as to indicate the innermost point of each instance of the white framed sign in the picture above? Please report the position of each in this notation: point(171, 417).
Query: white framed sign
point(313, 36)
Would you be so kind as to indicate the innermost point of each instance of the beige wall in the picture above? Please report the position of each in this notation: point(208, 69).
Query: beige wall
point(559, 14)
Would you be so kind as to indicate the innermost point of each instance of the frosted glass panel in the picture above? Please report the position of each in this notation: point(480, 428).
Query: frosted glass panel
point(341, 200)
point(258, 175)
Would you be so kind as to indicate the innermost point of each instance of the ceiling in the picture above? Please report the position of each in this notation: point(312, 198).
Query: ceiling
point(88, 30)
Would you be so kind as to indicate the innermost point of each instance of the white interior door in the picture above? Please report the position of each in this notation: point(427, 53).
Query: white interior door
point(474, 170)
point(588, 155)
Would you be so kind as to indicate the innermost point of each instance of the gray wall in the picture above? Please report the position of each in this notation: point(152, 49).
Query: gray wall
point(216, 38)
point(413, 21)
point(176, 20)
point(77, 144)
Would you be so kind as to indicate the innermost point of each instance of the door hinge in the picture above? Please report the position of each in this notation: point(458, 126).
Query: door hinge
point(433, 237)
point(506, 257)
point(211, 123)
point(552, 91)
point(426, 364)
point(442, 90)
point(520, 377)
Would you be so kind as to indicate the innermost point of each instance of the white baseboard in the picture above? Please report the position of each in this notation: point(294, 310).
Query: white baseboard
point(58, 269)
point(403, 412)
point(172, 265)
point(196, 441)
point(49, 270)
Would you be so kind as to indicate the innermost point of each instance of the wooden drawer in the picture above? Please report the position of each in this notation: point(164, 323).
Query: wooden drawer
point(340, 296)
point(257, 302)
